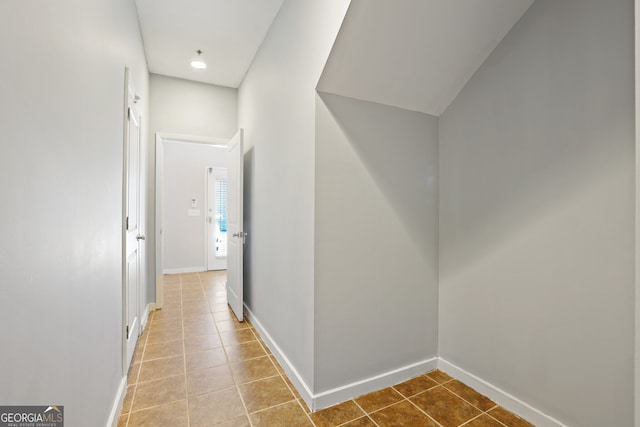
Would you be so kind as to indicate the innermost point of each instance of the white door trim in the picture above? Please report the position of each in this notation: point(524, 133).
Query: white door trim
point(161, 138)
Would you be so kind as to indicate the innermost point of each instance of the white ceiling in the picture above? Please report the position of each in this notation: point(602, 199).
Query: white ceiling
point(415, 54)
point(412, 54)
point(229, 32)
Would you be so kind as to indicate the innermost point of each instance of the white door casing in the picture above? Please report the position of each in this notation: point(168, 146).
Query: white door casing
point(131, 224)
point(235, 233)
point(161, 138)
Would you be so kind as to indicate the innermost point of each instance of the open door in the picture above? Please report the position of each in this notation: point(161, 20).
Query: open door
point(235, 233)
point(131, 224)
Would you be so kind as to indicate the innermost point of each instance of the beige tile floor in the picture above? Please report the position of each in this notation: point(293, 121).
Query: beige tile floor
point(195, 365)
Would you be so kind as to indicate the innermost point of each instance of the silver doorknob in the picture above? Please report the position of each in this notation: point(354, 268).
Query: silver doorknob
point(235, 235)
point(140, 237)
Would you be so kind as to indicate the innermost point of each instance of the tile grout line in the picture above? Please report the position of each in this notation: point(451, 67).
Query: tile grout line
point(137, 383)
point(274, 406)
point(258, 338)
point(408, 398)
point(480, 415)
point(466, 401)
point(289, 387)
point(366, 414)
point(279, 374)
point(235, 381)
point(157, 406)
point(135, 389)
point(471, 420)
point(308, 415)
point(212, 292)
point(293, 392)
point(424, 412)
point(184, 356)
point(262, 346)
point(492, 417)
point(460, 397)
point(495, 419)
point(403, 400)
point(356, 419)
point(439, 384)
point(282, 377)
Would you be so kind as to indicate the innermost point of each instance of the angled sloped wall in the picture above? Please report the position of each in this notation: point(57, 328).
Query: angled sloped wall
point(537, 214)
point(535, 174)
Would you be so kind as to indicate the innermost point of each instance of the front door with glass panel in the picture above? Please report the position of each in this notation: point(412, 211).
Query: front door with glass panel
point(216, 218)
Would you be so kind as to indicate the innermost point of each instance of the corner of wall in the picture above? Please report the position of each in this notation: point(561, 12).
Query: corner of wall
point(501, 397)
point(637, 212)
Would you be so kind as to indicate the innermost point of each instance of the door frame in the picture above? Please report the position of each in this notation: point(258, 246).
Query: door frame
point(161, 138)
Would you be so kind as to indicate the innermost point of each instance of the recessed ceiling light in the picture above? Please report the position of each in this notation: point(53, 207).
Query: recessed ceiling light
point(197, 61)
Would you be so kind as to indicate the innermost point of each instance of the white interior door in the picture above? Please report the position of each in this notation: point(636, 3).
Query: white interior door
point(236, 236)
point(132, 234)
point(216, 220)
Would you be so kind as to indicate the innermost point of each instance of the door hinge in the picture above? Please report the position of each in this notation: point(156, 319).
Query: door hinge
point(210, 170)
point(127, 224)
point(128, 113)
point(127, 331)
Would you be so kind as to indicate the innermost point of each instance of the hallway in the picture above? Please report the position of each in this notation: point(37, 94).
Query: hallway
point(195, 365)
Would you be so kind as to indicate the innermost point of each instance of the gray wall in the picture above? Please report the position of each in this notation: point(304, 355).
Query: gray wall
point(187, 108)
point(183, 179)
point(61, 219)
point(537, 214)
point(192, 108)
point(376, 298)
point(277, 110)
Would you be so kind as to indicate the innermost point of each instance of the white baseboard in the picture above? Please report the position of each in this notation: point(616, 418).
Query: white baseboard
point(378, 382)
point(499, 396)
point(340, 394)
point(349, 391)
point(159, 291)
point(122, 388)
point(117, 404)
point(289, 369)
point(183, 270)
point(145, 316)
